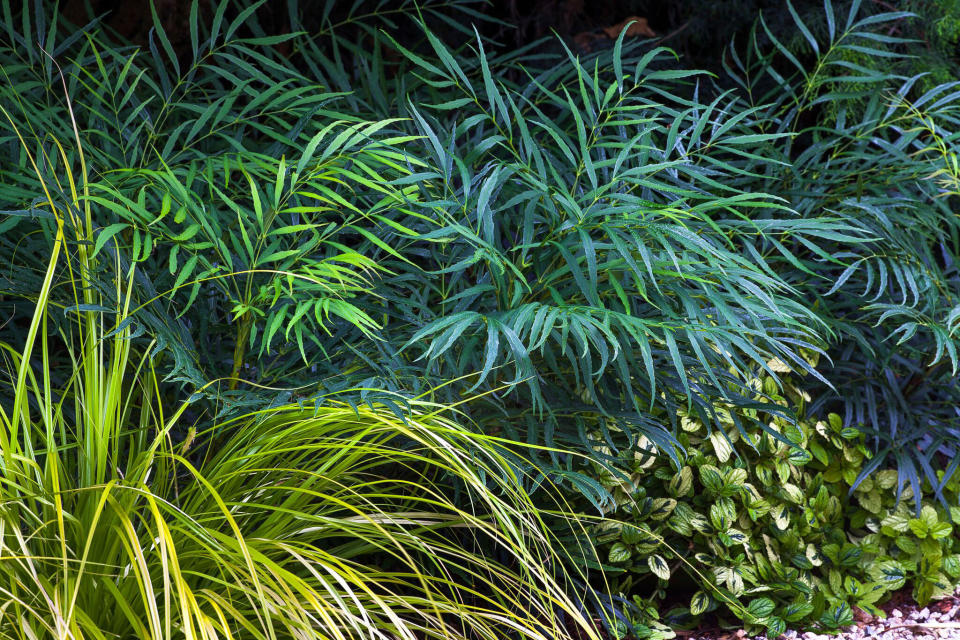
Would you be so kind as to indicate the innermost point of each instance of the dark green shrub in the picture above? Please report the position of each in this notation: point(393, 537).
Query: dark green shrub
point(561, 242)
point(872, 147)
point(618, 238)
point(223, 172)
point(579, 243)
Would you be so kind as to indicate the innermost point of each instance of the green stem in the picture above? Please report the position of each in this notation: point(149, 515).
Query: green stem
point(239, 351)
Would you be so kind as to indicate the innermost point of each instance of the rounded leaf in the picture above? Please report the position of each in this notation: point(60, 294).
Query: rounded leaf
point(659, 566)
point(619, 553)
point(760, 608)
point(699, 603)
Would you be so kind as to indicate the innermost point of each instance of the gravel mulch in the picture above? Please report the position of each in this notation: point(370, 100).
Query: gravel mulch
point(938, 620)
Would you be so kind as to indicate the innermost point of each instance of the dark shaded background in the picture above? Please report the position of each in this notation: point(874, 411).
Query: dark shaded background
point(699, 30)
point(696, 28)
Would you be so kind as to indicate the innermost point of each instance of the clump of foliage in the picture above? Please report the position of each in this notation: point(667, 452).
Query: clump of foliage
point(226, 178)
point(603, 253)
point(886, 161)
point(332, 521)
point(577, 240)
point(771, 528)
point(619, 238)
